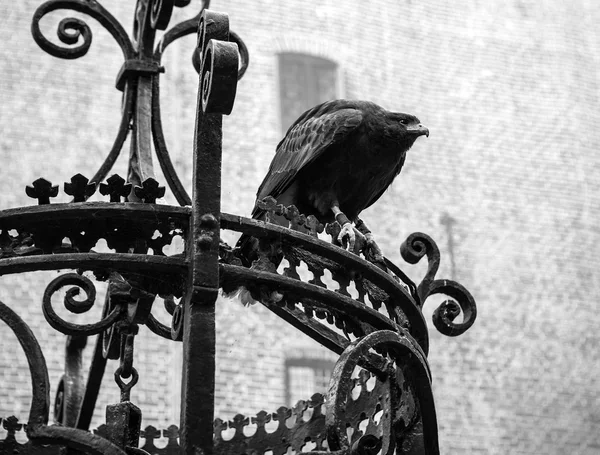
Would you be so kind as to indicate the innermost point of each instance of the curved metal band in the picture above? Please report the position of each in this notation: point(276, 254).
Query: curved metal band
point(71, 437)
point(158, 327)
point(40, 383)
point(403, 350)
point(115, 151)
point(329, 299)
point(162, 153)
point(141, 263)
point(398, 295)
point(22, 216)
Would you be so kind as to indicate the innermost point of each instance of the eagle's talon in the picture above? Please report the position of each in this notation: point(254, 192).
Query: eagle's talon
point(347, 231)
point(373, 250)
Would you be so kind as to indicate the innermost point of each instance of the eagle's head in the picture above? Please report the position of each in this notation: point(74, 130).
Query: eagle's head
point(404, 128)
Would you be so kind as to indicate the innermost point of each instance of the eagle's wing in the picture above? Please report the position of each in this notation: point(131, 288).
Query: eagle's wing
point(306, 140)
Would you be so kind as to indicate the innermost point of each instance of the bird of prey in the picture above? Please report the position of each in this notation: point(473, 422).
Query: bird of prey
point(336, 160)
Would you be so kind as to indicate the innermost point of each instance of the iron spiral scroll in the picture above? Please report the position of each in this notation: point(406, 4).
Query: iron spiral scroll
point(372, 318)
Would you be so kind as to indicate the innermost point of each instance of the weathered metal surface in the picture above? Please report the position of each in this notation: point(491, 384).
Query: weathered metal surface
point(297, 428)
point(122, 224)
point(40, 384)
point(125, 420)
point(11, 445)
point(171, 434)
point(198, 321)
point(407, 379)
point(71, 387)
point(345, 267)
point(320, 298)
point(73, 438)
point(92, 386)
point(37, 429)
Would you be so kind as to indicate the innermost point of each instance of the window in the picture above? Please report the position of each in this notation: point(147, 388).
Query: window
point(304, 81)
point(306, 376)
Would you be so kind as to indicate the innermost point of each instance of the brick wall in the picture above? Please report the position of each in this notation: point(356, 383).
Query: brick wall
point(509, 93)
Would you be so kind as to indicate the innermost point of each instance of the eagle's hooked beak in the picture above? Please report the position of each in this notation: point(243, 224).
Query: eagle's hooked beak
point(418, 130)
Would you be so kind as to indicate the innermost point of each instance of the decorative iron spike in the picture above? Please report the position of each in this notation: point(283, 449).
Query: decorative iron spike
point(270, 206)
point(150, 433)
point(116, 187)
point(298, 411)
point(219, 427)
point(293, 215)
point(314, 226)
point(238, 423)
point(80, 188)
point(42, 190)
point(261, 419)
point(11, 425)
point(150, 191)
point(316, 401)
point(281, 415)
point(171, 433)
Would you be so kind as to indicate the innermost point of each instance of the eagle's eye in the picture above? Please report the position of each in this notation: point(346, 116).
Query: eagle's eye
point(403, 121)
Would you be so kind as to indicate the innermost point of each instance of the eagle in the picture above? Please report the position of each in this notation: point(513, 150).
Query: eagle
point(336, 160)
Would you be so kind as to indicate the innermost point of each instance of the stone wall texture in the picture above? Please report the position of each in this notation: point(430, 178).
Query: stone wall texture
point(509, 90)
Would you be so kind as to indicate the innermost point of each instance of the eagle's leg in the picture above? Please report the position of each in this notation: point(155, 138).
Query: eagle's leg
point(372, 251)
point(347, 228)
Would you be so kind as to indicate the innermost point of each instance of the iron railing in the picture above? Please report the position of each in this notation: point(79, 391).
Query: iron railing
point(382, 331)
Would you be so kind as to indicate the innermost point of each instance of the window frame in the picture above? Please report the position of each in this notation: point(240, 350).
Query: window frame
point(305, 362)
point(308, 61)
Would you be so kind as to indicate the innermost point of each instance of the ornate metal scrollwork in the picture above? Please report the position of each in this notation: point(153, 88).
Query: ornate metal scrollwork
point(378, 304)
point(406, 369)
point(75, 306)
point(141, 60)
point(419, 245)
point(70, 30)
point(220, 63)
point(358, 316)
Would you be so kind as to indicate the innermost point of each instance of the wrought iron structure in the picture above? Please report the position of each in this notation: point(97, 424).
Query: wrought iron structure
point(381, 333)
